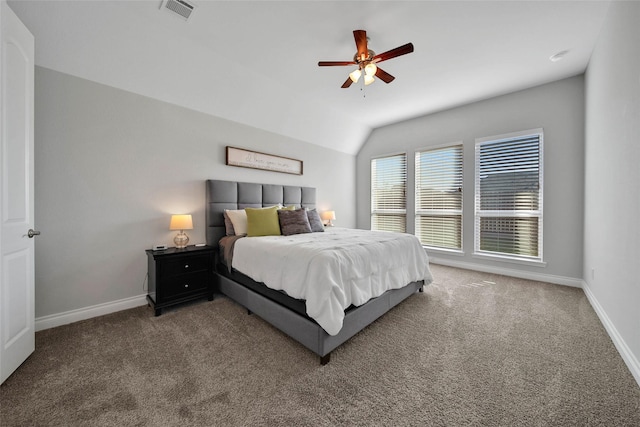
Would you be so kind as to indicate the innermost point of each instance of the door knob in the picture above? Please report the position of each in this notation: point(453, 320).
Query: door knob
point(31, 233)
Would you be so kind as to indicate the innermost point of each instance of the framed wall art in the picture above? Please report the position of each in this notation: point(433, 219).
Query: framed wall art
point(256, 160)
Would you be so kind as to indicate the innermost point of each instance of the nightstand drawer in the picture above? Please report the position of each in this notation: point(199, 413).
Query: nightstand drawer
point(186, 265)
point(185, 283)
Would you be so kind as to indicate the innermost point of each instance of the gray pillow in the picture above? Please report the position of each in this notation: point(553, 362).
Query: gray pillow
point(314, 220)
point(228, 225)
point(293, 222)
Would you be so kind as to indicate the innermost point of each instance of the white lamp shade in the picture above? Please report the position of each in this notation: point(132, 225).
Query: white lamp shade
point(181, 222)
point(355, 75)
point(370, 69)
point(328, 215)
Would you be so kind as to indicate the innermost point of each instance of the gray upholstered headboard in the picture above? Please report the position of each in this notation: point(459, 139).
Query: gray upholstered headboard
point(223, 195)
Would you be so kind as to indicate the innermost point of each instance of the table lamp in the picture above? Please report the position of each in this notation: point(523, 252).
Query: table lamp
point(181, 222)
point(328, 216)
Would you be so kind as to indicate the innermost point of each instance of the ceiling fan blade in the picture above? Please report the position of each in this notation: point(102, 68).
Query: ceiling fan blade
point(347, 83)
point(361, 42)
point(384, 76)
point(334, 63)
point(399, 51)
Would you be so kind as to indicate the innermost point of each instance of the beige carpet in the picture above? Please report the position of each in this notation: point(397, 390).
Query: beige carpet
point(473, 349)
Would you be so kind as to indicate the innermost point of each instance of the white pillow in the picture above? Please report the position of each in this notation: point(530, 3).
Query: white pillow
point(239, 220)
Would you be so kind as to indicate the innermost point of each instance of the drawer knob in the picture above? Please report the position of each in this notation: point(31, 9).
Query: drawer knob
point(186, 266)
point(186, 286)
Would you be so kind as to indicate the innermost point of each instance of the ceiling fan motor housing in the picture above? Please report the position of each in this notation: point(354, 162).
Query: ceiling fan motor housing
point(364, 61)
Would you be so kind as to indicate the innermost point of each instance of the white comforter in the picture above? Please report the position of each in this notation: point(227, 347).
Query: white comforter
point(334, 269)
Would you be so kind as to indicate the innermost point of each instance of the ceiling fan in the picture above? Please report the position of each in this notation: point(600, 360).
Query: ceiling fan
point(366, 60)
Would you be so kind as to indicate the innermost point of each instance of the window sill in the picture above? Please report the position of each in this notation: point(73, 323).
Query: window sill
point(513, 260)
point(442, 251)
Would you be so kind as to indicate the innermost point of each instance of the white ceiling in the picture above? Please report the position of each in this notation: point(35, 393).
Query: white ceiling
point(255, 62)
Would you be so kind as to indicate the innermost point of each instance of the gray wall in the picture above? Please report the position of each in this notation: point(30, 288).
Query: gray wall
point(558, 108)
point(612, 185)
point(112, 166)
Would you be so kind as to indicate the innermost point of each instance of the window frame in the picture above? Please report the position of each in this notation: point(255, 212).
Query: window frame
point(374, 211)
point(439, 212)
point(537, 213)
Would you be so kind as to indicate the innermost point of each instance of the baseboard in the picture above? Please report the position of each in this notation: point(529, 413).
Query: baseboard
point(59, 319)
point(627, 355)
point(529, 275)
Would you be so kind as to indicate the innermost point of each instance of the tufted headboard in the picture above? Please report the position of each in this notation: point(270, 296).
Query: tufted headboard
point(223, 195)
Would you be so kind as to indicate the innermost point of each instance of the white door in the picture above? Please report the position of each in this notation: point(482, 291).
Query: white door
point(17, 315)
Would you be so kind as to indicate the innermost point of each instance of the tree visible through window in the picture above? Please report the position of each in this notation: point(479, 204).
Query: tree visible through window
point(389, 193)
point(439, 176)
point(508, 211)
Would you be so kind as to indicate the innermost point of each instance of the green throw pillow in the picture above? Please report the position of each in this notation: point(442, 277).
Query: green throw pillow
point(263, 221)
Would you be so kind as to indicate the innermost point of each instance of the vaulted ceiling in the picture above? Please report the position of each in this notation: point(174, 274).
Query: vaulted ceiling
point(255, 62)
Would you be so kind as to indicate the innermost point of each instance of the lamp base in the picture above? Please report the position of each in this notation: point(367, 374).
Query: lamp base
point(181, 240)
point(329, 224)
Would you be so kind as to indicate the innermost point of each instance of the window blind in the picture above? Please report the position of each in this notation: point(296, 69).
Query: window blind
point(388, 193)
point(509, 196)
point(439, 177)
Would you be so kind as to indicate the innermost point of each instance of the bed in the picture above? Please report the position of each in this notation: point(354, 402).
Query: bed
point(275, 306)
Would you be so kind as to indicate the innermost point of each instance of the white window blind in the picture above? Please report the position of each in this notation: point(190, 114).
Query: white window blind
point(508, 209)
point(438, 176)
point(389, 193)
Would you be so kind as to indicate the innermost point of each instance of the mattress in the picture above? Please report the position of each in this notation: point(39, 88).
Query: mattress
point(281, 297)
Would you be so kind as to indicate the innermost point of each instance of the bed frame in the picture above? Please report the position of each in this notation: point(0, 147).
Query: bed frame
point(221, 195)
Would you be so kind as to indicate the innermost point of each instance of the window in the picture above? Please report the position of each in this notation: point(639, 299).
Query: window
point(439, 197)
point(388, 193)
point(508, 211)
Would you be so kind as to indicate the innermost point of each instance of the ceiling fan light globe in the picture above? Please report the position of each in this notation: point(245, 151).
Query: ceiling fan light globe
point(370, 69)
point(368, 80)
point(355, 76)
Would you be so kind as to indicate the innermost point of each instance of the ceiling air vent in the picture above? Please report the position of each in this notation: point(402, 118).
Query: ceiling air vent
point(178, 7)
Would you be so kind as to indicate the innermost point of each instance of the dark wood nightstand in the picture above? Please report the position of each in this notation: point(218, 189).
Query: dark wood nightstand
point(179, 275)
